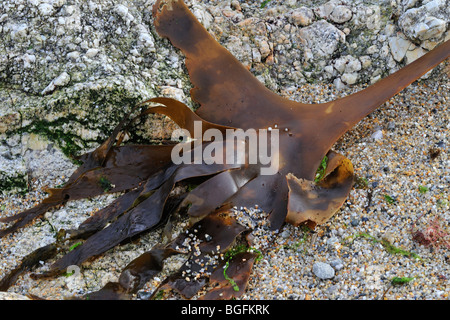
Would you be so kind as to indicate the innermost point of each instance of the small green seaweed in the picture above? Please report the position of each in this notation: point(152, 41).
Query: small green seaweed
point(18, 182)
point(361, 183)
point(423, 189)
point(159, 295)
point(401, 280)
point(264, 3)
point(397, 281)
point(72, 247)
point(233, 252)
point(296, 245)
point(230, 280)
point(69, 143)
point(389, 247)
point(321, 170)
point(105, 184)
point(240, 249)
point(68, 274)
point(389, 199)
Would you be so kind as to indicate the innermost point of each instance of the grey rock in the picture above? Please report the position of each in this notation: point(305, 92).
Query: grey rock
point(414, 54)
point(341, 14)
point(369, 17)
point(349, 78)
point(377, 135)
point(399, 46)
point(391, 125)
point(426, 22)
point(322, 38)
point(332, 289)
point(302, 16)
point(355, 222)
point(337, 264)
point(339, 85)
point(347, 64)
point(12, 296)
point(323, 270)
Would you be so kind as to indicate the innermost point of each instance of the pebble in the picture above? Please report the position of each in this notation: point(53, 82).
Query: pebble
point(337, 264)
point(323, 270)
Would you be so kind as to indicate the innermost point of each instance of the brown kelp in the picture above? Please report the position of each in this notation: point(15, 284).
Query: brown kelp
point(230, 98)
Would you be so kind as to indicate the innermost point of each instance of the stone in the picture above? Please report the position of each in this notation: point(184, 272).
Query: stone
point(341, 14)
point(399, 45)
point(12, 296)
point(174, 93)
point(366, 62)
point(302, 17)
point(338, 84)
point(60, 81)
point(426, 22)
point(46, 9)
point(349, 78)
point(323, 270)
point(28, 60)
point(414, 54)
point(322, 38)
point(324, 11)
point(337, 264)
point(377, 135)
point(121, 10)
point(90, 53)
point(264, 49)
point(347, 64)
point(430, 28)
point(36, 142)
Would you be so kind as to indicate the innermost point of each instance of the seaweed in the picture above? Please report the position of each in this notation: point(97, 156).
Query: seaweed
point(230, 99)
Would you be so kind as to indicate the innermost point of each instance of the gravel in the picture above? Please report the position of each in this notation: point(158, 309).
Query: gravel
point(397, 149)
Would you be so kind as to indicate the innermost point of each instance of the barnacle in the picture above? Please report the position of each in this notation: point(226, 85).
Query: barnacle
point(230, 98)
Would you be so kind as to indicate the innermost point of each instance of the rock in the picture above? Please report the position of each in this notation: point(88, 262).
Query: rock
point(28, 60)
point(366, 62)
point(355, 222)
point(431, 27)
point(264, 48)
point(399, 45)
point(121, 10)
point(391, 125)
point(334, 11)
point(369, 17)
point(414, 54)
point(349, 78)
point(323, 270)
point(333, 243)
point(426, 22)
point(36, 142)
point(12, 296)
point(338, 84)
point(377, 135)
point(347, 64)
point(332, 289)
point(46, 9)
point(324, 11)
point(60, 81)
point(322, 38)
point(341, 14)
point(174, 93)
point(337, 264)
point(302, 17)
point(90, 53)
